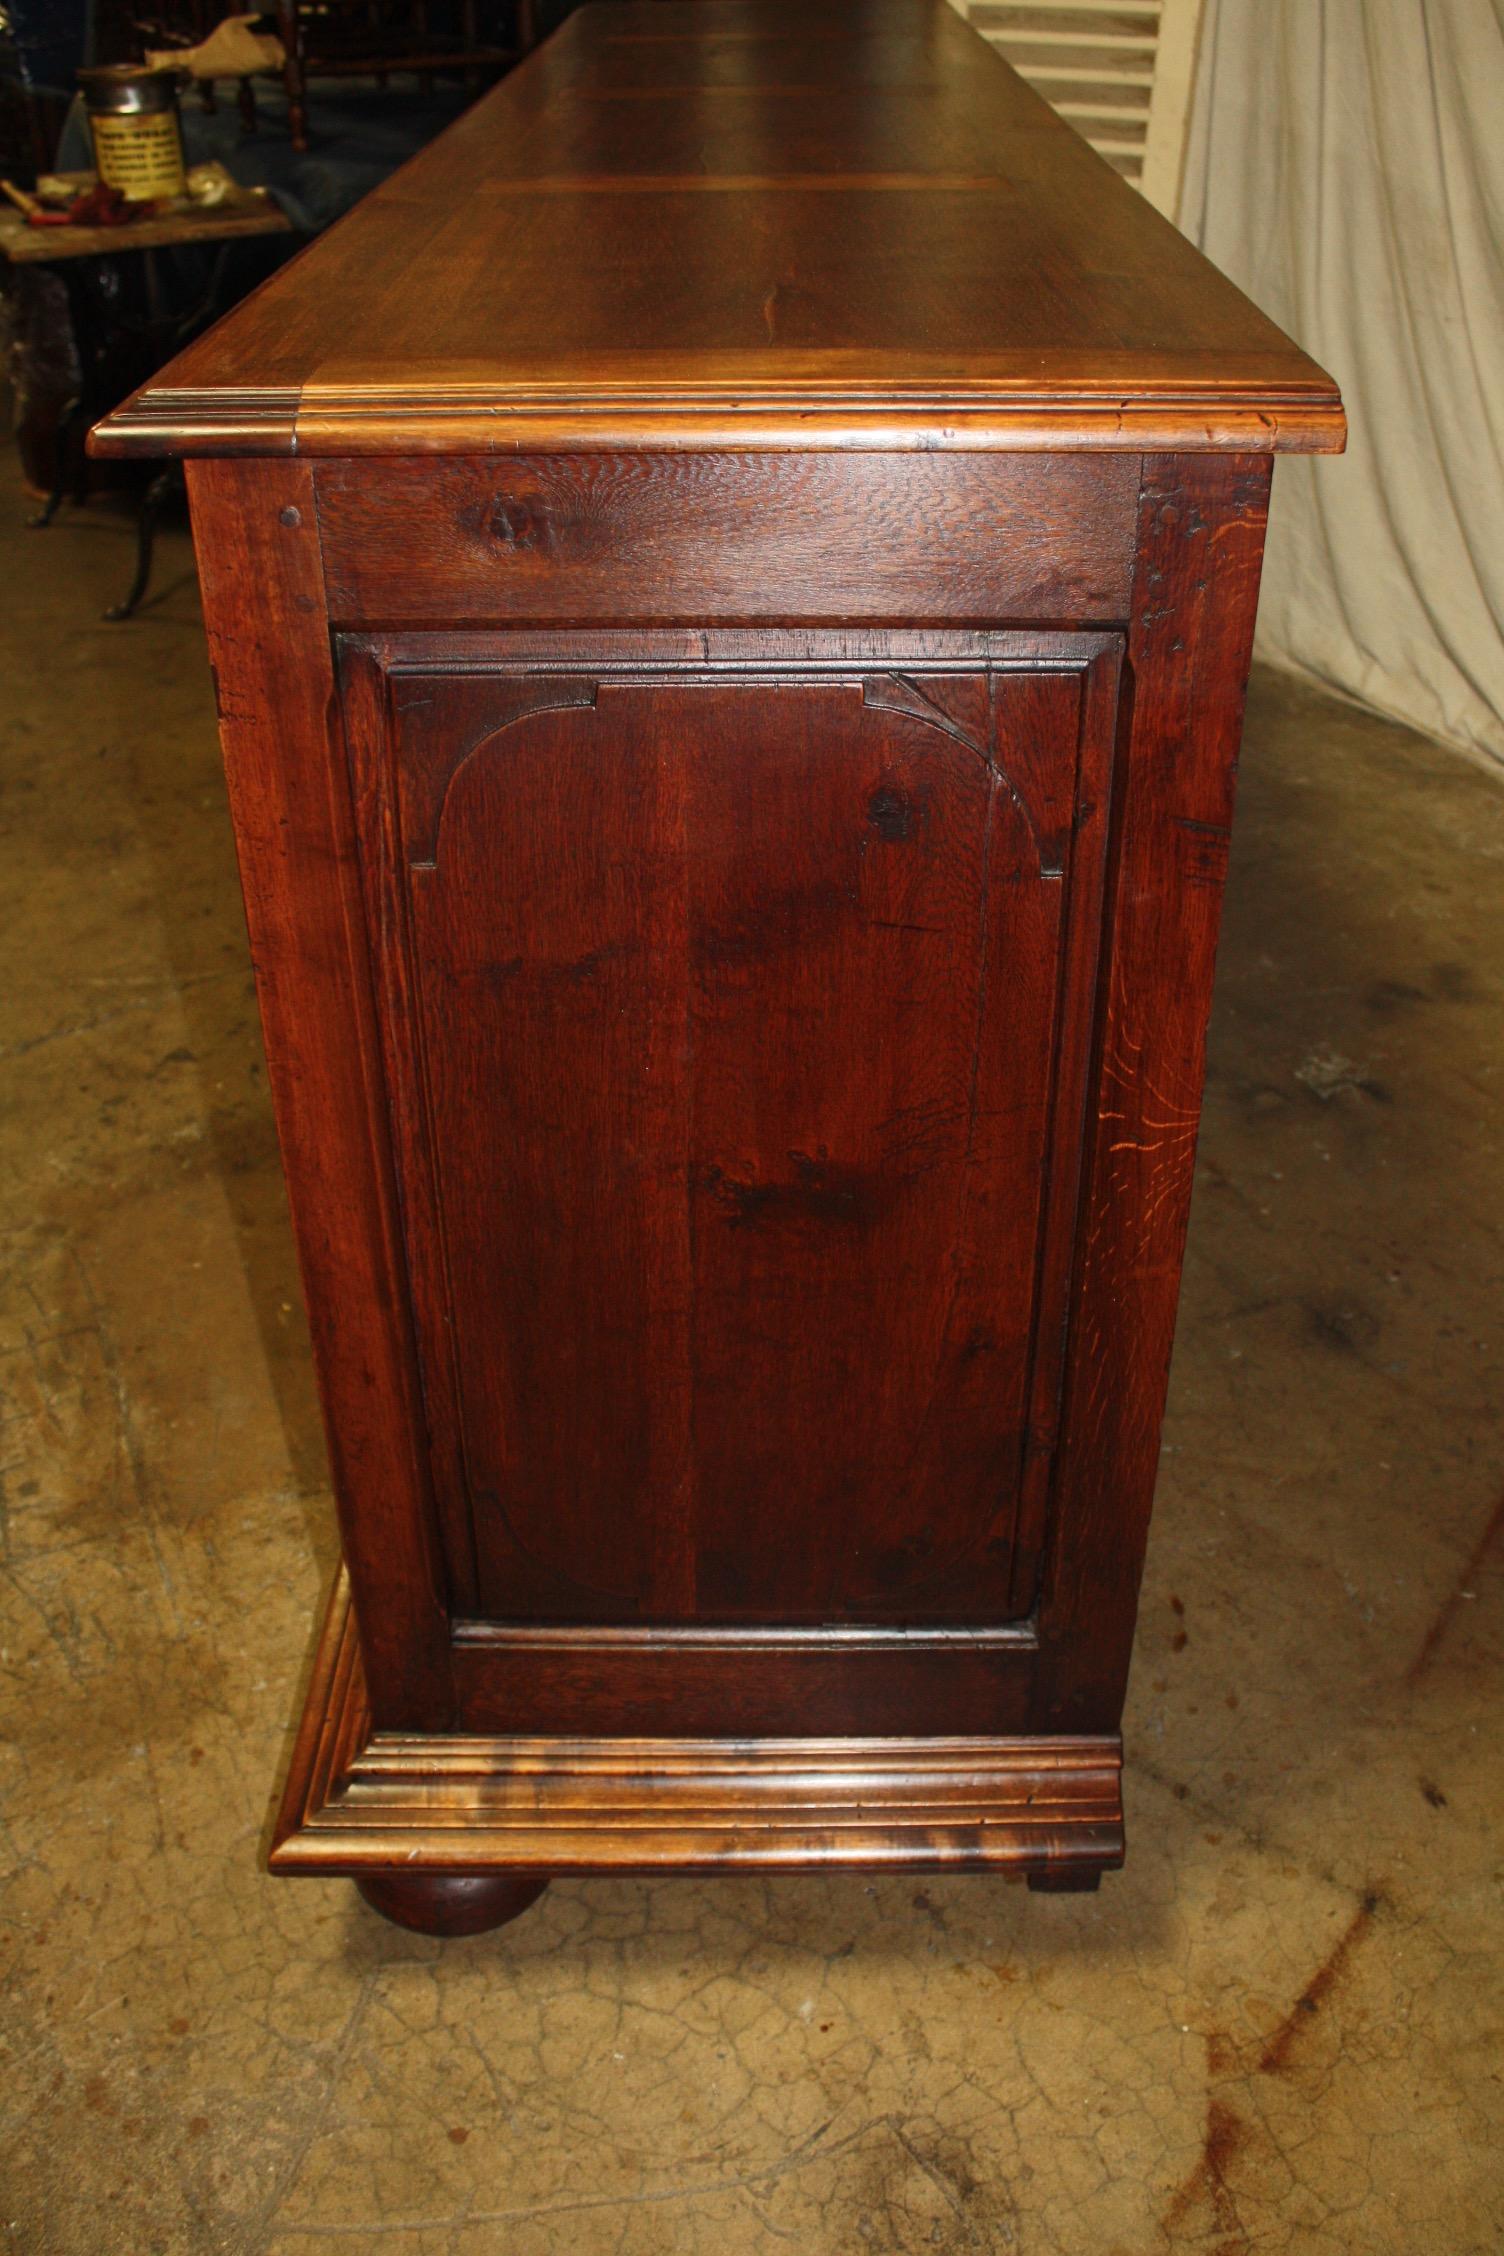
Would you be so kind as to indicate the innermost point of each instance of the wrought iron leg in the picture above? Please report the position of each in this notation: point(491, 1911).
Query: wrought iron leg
point(72, 417)
point(146, 527)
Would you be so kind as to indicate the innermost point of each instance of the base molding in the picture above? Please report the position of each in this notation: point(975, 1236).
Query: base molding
point(361, 1803)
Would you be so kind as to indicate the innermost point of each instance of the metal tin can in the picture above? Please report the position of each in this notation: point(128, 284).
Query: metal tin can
point(138, 138)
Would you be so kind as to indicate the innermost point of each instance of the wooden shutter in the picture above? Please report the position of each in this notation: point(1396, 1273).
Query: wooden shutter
point(1120, 71)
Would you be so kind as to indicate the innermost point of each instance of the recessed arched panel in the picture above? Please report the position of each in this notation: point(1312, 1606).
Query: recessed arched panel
point(732, 996)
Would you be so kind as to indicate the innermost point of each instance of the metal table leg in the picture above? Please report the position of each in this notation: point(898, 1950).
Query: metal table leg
point(72, 416)
point(146, 527)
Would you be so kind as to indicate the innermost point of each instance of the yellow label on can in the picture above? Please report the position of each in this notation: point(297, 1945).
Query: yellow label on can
point(141, 156)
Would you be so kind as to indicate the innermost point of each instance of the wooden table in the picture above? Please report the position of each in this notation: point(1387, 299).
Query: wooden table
point(244, 212)
point(247, 212)
point(730, 582)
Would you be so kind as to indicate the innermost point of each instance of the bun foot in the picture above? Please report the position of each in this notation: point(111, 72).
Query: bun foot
point(1065, 1882)
point(449, 1903)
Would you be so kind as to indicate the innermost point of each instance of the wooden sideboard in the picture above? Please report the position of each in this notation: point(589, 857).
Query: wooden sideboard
point(730, 582)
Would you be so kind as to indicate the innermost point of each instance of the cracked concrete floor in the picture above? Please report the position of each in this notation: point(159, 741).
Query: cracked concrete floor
point(1277, 2030)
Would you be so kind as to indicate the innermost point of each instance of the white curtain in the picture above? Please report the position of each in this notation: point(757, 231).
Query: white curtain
point(1346, 168)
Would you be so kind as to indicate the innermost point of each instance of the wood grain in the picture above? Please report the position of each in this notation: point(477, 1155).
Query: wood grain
point(915, 1684)
point(612, 537)
point(742, 224)
point(256, 528)
point(425, 1803)
point(21, 244)
point(1201, 537)
point(726, 999)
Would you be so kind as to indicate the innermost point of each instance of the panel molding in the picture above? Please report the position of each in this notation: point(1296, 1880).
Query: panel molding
point(605, 1640)
point(1058, 806)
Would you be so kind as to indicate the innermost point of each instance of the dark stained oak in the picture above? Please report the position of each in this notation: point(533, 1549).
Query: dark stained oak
point(725, 997)
point(751, 1681)
point(730, 584)
point(273, 680)
point(362, 1802)
point(1200, 548)
point(609, 537)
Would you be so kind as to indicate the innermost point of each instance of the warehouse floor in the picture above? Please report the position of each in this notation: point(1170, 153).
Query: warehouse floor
point(1279, 2029)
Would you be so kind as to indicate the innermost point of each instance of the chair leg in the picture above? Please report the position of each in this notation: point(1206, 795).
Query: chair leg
point(289, 31)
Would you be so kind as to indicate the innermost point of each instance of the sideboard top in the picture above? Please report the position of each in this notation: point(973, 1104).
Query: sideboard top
point(748, 224)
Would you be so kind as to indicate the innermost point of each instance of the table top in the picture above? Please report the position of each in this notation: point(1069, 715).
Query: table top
point(25, 245)
point(747, 223)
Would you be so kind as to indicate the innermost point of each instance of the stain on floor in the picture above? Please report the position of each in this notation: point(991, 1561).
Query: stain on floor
point(1278, 2030)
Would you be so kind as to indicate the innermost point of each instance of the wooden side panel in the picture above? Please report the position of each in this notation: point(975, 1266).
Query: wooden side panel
point(1201, 538)
point(729, 1001)
point(450, 543)
point(263, 593)
point(745, 1683)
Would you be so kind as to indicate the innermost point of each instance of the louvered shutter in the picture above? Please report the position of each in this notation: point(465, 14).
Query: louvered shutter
point(1119, 70)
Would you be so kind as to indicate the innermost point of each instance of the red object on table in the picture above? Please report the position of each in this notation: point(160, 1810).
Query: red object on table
point(99, 206)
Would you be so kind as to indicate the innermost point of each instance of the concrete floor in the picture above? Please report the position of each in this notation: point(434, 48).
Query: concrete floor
point(1277, 2030)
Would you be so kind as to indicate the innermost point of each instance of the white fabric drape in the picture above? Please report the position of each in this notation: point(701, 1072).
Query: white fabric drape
point(1346, 168)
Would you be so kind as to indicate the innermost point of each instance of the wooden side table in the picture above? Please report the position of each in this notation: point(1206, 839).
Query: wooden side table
point(731, 583)
point(70, 252)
